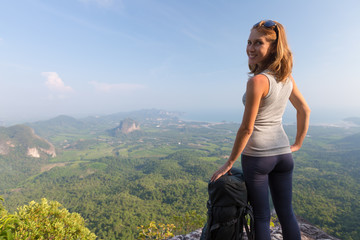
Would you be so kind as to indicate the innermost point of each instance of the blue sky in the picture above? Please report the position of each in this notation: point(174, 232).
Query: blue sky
point(86, 57)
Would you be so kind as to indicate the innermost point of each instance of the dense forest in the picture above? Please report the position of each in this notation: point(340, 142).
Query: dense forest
point(160, 172)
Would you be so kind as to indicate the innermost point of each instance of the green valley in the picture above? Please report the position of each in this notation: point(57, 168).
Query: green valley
point(118, 180)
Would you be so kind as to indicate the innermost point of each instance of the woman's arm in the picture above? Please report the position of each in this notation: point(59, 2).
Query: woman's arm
point(302, 116)
point(257, 88)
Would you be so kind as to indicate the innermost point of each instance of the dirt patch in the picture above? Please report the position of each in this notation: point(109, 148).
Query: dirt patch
point(50, 166)
point(16, 190)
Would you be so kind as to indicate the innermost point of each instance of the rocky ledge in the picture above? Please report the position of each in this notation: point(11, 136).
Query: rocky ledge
point(308, 232)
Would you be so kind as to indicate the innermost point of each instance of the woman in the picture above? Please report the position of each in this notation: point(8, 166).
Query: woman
point(266, 157)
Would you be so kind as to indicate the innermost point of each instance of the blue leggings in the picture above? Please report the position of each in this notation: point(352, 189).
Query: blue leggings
point(275, 172)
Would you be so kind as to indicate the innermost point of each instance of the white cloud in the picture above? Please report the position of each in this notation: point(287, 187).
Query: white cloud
point(118, 87)
point(55, 83)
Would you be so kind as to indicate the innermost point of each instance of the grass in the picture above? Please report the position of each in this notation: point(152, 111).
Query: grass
point(94, 152)
point(152, 151)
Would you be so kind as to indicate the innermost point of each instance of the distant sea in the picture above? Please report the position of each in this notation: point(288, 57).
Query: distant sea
point(213, 116)
point(318, 117)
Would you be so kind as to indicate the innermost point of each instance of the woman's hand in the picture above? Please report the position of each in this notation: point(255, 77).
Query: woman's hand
point(294, 148)
point(221, 171)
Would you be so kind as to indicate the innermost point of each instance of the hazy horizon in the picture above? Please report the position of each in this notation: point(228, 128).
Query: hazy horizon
point(318, 117)
point(89, 57)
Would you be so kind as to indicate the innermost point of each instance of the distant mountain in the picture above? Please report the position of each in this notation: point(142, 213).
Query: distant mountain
point(148, 114)
point(21, 140)
point(126, 126)
point(60, 124)
point(22, 154)
point(66, 129)
point(140, 116)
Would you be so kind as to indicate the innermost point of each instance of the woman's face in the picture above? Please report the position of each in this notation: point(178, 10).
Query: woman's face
point(258, 48)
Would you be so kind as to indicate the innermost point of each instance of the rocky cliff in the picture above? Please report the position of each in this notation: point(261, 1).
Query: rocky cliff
point(125, 127)
point(21, 139)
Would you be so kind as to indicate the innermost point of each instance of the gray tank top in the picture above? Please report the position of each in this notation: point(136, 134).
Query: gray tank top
point(268, 137)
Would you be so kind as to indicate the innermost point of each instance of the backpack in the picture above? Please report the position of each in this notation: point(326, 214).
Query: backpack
point(228, 209)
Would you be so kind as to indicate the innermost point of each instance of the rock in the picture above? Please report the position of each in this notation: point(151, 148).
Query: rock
point(191, 236)
point(308, 232)
point(33, 152)
point(125, 127)
point(312, 232)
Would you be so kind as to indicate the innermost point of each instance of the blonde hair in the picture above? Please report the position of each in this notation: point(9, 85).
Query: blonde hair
point(280, 61)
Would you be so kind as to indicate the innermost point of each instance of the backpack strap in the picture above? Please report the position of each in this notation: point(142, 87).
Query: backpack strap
point(208, 224)
point(228, 223)
point(238, 227)
point(249, 231)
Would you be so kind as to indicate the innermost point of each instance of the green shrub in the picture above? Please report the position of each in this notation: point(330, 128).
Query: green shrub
point(156, 231)
point(44, 220)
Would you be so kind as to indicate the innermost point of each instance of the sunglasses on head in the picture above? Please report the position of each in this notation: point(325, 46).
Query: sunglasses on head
point(268, 24)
